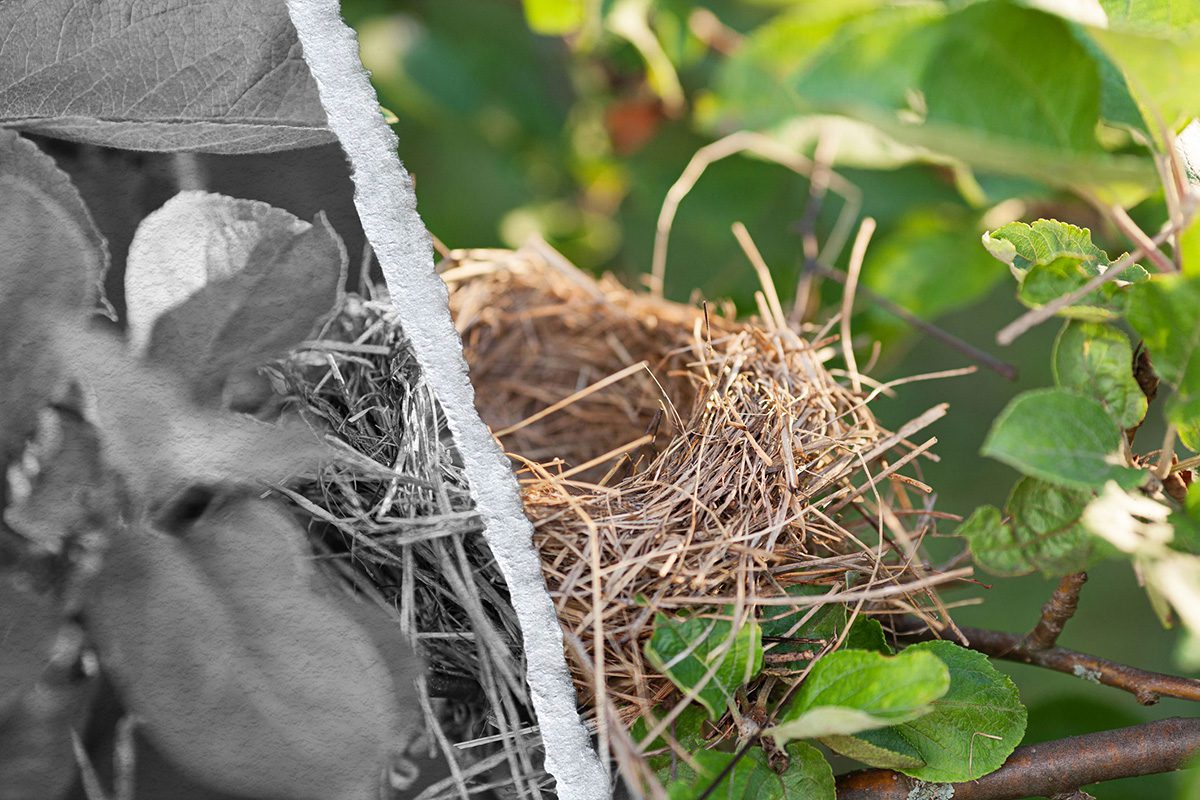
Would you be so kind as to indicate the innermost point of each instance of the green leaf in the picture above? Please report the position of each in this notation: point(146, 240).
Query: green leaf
point(251, 284)
point(1002, 87)
point(1046, 282)
point(750, 88)
point(807, 777)
point(242, 675)
point(686, 649)
point(687, 731)
point(1051, 258)
point(1156, 45)
point(855, 690)
point(1097, 360)
point(972, 729)
point(999, 70)
point(1062, 437)
point(1043, 533)
point(1021, 245)
point(825, 624)
point(867, 634)
point(1165, 312)
point(205, 77)
point(53, 260)
point(555, 17)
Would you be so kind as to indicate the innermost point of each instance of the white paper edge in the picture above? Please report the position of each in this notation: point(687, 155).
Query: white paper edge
point(386, 203)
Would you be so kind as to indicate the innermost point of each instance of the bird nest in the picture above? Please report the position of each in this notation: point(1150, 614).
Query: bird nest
point(672, 459)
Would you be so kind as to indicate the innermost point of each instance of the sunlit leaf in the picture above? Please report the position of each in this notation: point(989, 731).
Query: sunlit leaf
point(971, 730)
point(1156, 43)
point(208, 77)
point(1062, 437)
point(555, 17)
point(1051, 258)
point(856, 690)
point(215, 284)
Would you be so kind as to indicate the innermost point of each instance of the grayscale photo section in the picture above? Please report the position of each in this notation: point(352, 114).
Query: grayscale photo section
point(599, 400)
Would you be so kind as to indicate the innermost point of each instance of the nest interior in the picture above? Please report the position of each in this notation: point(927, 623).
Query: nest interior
point(672, 459)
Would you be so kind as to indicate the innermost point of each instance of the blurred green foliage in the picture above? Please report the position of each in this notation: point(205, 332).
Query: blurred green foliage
point(572, 119)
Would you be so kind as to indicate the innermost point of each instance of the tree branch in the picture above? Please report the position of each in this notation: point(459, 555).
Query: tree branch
point(1144, 685)
point(1058, 610)
point(1051, 768)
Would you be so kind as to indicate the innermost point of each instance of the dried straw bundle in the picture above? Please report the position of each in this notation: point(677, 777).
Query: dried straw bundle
point(672, 458)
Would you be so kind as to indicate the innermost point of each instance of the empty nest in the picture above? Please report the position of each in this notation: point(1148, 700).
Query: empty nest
point(672, 459)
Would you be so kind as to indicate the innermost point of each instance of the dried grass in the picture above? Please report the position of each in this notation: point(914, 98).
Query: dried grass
point(671, 457)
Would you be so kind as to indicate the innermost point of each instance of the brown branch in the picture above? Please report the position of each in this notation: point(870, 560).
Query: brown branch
point(1144, 685)
point(1058, 767)
point(969, 350)
point(1058, 610)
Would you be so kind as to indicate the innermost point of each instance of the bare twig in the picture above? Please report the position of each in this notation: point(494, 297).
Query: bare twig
point(1051, 768)
point(1132, 231)
point(972, 352)
point(1144, 685)
point(1055, 614)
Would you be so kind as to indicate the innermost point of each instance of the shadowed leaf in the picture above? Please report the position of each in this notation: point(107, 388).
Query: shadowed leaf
point(246, 678)
point(687, 649)
point(53, 260)
point(1043, 534)
point(1097, 360)
point(37, 761)
point(808, 776)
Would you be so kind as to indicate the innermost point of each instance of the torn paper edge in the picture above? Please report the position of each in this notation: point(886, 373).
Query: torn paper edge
point(386, 203)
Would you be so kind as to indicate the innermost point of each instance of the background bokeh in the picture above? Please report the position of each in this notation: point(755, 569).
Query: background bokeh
point(578, 138)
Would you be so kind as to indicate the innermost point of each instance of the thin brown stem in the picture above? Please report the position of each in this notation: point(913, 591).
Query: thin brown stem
point(1058, 610)
point(1144, 685)
point(1052, 768)
point(969, 350)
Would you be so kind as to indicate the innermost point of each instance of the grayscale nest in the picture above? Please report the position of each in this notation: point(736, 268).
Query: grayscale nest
point(671, 458)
